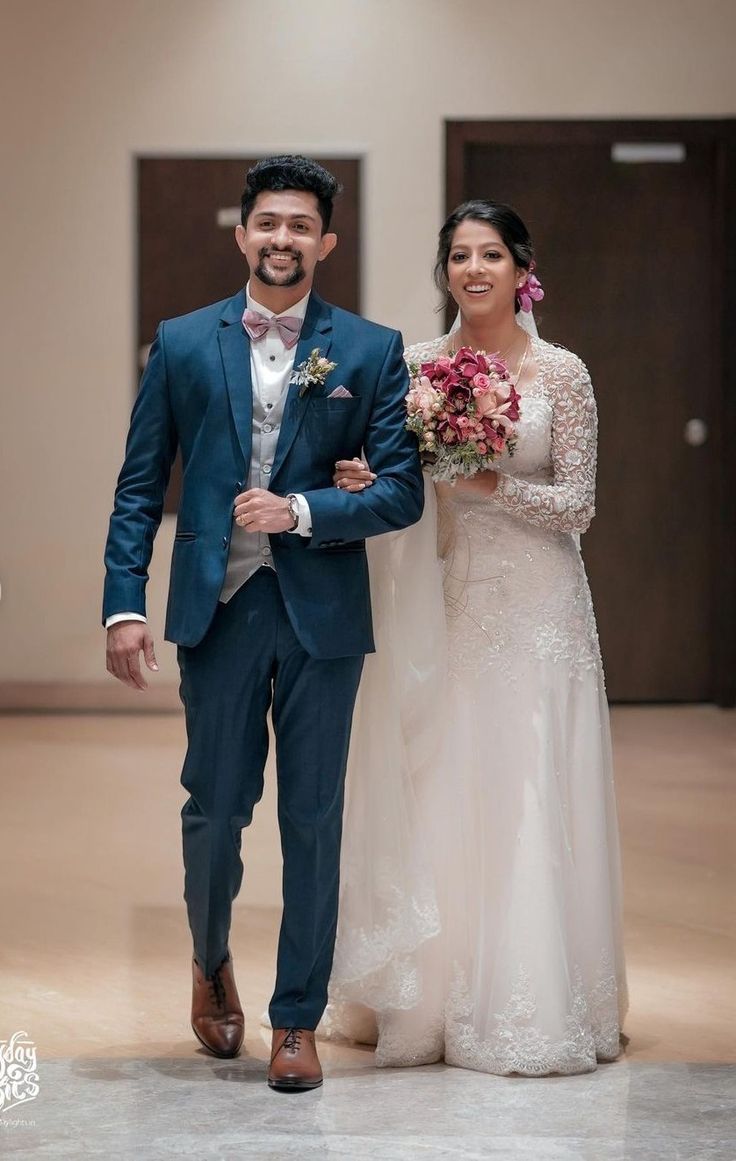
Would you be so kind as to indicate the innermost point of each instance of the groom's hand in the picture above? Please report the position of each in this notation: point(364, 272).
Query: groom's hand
point(125, 642)
point(260, 511)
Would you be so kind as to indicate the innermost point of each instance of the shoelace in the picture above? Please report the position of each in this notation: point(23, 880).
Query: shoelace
point(292, 1040)
point(217, 989)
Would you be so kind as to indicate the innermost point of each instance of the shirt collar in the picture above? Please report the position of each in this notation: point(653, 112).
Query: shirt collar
point(298, 310)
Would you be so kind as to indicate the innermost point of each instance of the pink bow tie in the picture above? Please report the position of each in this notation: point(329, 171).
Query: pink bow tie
point(258, 325)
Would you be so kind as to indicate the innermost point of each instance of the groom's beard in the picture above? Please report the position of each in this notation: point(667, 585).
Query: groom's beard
point(288, 277)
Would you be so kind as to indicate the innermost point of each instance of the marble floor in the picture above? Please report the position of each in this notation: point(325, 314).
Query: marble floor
point(161, 1107)
point(94, 969)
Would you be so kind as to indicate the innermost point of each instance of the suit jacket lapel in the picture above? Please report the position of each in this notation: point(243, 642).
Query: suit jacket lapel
point(316, 332)
point(235, 352)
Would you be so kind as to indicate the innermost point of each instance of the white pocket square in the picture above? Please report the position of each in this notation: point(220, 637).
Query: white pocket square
point(340, 393)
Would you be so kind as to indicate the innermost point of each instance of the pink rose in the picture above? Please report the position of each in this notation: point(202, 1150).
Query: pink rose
point(503, 391)
point(486, 404)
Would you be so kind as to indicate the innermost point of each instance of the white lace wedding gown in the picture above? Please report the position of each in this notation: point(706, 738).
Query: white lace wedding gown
point(480, 906)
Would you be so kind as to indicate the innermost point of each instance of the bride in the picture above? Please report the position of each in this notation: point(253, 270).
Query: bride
point(480, 908)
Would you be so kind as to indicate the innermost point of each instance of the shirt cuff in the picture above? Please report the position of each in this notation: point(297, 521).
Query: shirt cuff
point(117, 617)
point(304, 523)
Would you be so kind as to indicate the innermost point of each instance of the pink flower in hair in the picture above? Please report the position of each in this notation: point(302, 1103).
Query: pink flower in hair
point(531, 291)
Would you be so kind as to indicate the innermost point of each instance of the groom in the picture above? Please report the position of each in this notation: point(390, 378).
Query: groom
point(269, 601)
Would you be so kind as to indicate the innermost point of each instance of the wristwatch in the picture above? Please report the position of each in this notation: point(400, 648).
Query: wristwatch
point(293, 510)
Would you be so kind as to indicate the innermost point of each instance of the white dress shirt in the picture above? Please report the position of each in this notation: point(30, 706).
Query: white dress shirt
point(271, 365)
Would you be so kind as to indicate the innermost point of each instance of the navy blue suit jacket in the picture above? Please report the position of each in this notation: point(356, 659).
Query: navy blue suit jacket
point(196, 395)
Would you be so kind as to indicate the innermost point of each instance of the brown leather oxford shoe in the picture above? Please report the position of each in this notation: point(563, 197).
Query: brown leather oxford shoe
point(217, 1017)
point(295, 1065)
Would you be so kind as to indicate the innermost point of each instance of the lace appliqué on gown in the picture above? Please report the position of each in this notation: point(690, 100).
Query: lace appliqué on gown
point(377, 961)
point(517, 1046)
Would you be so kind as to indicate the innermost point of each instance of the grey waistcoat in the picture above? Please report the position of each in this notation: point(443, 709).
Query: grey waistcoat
point(248, 550)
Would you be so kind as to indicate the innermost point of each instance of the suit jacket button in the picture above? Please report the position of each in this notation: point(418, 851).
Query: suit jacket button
point(224, 542)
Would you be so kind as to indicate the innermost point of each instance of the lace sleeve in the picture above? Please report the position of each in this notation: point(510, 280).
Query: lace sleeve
point(424, 352)
point(568, 503)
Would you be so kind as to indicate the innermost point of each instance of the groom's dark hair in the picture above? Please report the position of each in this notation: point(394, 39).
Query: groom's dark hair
point(290, 171)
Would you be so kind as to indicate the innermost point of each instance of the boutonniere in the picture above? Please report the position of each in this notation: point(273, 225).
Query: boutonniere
point(312, 372)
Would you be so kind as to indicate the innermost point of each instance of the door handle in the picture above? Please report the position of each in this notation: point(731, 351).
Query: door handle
point(696, 432)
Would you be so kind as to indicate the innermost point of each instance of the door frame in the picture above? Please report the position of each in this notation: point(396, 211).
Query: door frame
point(720, 132)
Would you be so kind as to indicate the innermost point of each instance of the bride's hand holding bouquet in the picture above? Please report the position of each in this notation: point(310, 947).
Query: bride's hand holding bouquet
point(463, 410)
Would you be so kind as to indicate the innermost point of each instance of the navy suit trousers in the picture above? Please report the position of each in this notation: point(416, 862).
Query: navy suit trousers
point(249, 661)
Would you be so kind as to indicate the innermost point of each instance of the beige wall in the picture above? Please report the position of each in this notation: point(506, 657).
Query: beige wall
point(85, 84)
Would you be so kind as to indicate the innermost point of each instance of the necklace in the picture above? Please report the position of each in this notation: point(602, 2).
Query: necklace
point(522, 361)
point(503, 355)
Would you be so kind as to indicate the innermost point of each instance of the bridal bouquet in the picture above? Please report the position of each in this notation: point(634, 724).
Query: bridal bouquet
point(463, 411)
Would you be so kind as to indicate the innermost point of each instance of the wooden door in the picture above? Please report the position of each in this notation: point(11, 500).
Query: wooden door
point(629, 225)
point(188, 208)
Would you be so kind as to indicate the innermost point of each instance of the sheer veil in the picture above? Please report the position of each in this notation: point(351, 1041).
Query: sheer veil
point(399, 755)
point(388, 903)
